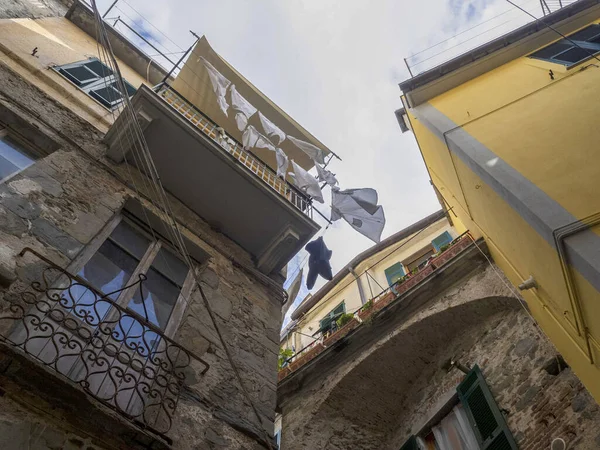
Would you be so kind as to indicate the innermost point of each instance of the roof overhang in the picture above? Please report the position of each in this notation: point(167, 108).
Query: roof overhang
point(498, 52)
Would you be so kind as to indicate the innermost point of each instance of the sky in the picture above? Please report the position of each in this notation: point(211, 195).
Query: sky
point(334, 66)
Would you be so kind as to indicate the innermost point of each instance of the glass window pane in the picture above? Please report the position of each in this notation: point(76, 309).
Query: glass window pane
point(107, 95)
point(574, 55)
point(160, 296)
point(13, 159)
point(79, 75)
point(551, 50)
point(170, 266)
point(99, 68)
point(130, 239)
point(586, 34)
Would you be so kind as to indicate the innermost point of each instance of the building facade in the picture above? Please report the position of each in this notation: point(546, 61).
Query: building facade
point(132, 317)
point(507, 134)
point(365, 277)
point(448, 358)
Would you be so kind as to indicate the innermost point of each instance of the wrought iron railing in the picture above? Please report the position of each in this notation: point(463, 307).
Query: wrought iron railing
point(249, 160)
point(116, 356)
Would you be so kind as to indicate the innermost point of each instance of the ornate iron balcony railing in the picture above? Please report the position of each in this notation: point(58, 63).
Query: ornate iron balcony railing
point(115, 355)
point(231, 146)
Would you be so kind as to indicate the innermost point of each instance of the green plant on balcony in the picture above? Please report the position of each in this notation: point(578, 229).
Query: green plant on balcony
point(284, 355)
point(344, 319)
point(367, 305)
point(443, 248)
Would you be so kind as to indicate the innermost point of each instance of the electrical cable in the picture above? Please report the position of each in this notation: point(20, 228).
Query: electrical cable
point(163, 199)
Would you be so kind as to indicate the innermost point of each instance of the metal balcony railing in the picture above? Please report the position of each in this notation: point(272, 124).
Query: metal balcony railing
point(115, 355)
point(235, 149)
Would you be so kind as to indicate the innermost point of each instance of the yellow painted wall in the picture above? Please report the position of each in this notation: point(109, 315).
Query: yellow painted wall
point(545, 129)
point(59, 42)
point(347, 290)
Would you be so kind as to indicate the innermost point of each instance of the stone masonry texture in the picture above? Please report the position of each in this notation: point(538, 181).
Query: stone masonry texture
point(58, 206)
point(377, 399)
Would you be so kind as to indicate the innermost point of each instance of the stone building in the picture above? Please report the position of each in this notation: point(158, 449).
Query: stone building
point(449, 357)
point(108, 338)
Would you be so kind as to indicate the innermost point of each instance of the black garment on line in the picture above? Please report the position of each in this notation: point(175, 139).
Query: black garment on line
point(318, 262)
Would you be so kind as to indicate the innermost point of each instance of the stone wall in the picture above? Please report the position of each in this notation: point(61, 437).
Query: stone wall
point(33, 9)
point(378, 398)
point(57, 207)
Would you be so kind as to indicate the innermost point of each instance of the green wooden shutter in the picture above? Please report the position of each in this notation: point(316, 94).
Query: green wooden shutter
point(484, 415)
point(441, 240)
point(333, 315)
point(411, 444)
point(394, 273)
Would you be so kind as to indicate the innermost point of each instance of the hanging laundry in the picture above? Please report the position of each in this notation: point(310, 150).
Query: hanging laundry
point(292, 292)
point(250, 137)
point(359, 208)
point(326, 176)
point(242, 107)
point(318, 262)
point(307, 183)
point(282, 162)
point(315, 153)
point(219, 84)
point(263, 142)
point(272, 131)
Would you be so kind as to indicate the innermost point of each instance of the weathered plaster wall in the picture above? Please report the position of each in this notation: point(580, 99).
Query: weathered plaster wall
point(377, 399)
point(33, 9)
point(60, 203)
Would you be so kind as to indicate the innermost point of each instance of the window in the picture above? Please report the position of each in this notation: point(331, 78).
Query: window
point(483, 413)
point(97, 80)
point(443, 239)
point(327, 323)
point(419, 258)
point(470, 421)
point(13, 157)
point(127, 252)
point(394, 273)
point(567, 53)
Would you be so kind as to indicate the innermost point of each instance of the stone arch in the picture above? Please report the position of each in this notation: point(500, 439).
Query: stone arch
point(363, 405)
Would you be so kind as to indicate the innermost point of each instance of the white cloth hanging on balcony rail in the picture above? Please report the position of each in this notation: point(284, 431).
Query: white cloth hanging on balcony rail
point(219, 84)
point(307, 183)
point(272, 131)
point(359, 208)
point(315, 153)
point(326, 176)
point(250, 137)
point(292, 291)
point(282, 162)
point(242, 107)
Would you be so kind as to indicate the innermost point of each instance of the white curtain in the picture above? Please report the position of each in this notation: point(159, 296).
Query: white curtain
point(454, 432)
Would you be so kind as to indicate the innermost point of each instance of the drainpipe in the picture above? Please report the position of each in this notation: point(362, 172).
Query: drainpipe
point(363, 298)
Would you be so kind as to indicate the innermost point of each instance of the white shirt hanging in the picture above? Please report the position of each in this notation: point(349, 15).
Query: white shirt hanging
point(306, 182)
point(326, 176)
point(219, 84)
point(250, 137)
point(272, 131)
point(282, 162)
point(242, 107)
point(315, 153)
point(356, 207)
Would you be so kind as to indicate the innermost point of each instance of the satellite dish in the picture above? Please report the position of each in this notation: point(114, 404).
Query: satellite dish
point(558, 444)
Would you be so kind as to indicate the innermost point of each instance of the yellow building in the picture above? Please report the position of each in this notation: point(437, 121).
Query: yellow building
point(367, 276)
point(509, 135)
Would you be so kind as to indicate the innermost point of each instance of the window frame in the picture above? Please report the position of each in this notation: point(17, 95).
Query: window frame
point(586, 44)
point(24, 147)
point(143, 266)
point(391, 274)
point(95, 84)
point(331, 315)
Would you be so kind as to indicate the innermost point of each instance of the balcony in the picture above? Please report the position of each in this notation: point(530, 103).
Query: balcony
point(392, 297)
point(211, 173)
point(68, 338)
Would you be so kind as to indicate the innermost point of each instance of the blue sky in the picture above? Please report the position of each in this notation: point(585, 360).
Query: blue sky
point(335, 66)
